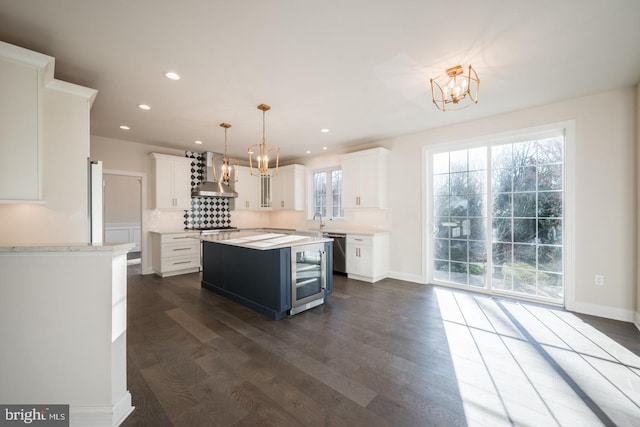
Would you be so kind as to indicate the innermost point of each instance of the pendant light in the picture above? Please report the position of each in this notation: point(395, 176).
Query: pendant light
point(229, 167)
point(263, 152)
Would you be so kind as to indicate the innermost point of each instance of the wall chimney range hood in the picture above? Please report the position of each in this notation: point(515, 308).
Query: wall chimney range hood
point(209, 188)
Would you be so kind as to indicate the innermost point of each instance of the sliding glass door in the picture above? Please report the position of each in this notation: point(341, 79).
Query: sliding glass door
point(497, 211)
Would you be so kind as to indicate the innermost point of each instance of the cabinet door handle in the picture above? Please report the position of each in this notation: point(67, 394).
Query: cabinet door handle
point(246, 203)
point(182, 262)
point(282, 203)
point(181, 249)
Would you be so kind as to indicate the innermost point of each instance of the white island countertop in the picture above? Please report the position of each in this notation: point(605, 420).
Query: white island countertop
point(66, 247)
point(262, 240)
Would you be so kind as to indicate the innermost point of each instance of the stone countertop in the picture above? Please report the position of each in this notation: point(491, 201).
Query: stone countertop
point(261, 240)
point(182, 231)
point(361, 231)
point(66, 247)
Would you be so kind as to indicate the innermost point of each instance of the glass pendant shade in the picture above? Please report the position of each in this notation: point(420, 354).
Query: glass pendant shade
point(261, 154)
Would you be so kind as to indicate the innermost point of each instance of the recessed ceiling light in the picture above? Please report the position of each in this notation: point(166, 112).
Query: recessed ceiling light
point(144, 107)
point(308, 152)
point(198, 142)
point(125, 127)
point(325, 130)
point(324, 148)
point(173, 76)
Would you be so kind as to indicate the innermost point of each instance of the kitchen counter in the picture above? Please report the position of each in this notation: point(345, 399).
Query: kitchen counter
point(361, 231)
point(67, 247)
point(262, 240)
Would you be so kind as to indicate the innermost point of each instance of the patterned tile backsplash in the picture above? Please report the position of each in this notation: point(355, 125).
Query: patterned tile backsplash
point(205, 212)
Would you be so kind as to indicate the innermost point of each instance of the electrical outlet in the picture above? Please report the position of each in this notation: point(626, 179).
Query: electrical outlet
point(599, 280)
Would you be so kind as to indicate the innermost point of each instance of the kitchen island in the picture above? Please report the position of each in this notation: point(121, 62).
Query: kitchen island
point(273, 274)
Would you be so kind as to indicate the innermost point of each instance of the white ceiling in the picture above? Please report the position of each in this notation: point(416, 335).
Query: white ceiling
point(360, 68)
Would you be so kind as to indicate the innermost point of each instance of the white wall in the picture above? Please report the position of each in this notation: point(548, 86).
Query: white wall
point(65, 140)
point(605, 193)
point(121, 199)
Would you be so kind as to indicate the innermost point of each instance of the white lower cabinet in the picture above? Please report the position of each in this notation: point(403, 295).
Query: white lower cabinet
point(175, 253)
point(368, 256)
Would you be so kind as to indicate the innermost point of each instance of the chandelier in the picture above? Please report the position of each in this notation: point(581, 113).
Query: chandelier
point(456, 89)
point(263, 152)
point(229, 167)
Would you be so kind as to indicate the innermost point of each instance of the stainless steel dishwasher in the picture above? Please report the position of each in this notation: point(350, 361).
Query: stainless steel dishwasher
point(339, 251)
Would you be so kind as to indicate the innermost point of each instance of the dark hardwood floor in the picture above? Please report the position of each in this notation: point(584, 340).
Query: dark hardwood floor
point(390, 354)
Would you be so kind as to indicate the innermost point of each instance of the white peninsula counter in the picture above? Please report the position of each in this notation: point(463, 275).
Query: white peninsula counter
point(63, 323)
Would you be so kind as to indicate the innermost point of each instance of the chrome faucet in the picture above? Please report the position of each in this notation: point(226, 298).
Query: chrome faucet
point(319, 215)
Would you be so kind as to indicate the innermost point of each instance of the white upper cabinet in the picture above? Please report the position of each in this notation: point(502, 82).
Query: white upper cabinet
point(254, 192)
point(248, 189)
point(21, 83)
point(287, 188)
point(364, 179)
point(170, 182)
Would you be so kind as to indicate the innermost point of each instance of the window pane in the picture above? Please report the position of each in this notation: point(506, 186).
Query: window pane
point(478, 159)
point(524, 230)
point(441, 249)
point(550, 258)
point(458, 161)
point(551, 150)
point(320, 193)
point(441, 184)
point(550, 231)
point(502, 231)
point(524, 178)
point(524, 205)
point(336, 193)
point(502, 156)
point(441, 163)
point(550, 177)
point(477, 204)
point(458, 182)
point(502, 205)
point(550, 204)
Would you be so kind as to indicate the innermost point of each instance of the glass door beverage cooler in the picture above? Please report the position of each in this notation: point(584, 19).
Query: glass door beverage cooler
point(308, 280)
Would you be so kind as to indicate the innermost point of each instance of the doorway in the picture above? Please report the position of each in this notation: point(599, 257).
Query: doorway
point(123, 212)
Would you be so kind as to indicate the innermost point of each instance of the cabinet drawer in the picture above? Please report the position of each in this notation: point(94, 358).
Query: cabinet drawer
point(179, 238)
point(359, 239)
point(179, 263)
point(186, 248)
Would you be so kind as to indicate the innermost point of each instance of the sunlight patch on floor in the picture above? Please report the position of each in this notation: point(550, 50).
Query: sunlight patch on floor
point(525, 364)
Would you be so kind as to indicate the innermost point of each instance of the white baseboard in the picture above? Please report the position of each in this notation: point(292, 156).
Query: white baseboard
point(637, 320)
point(605, 311)
point(416, 278)
point(101, 416)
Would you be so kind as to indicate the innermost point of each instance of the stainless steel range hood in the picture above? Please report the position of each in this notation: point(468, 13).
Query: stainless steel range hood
point(210, 188)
